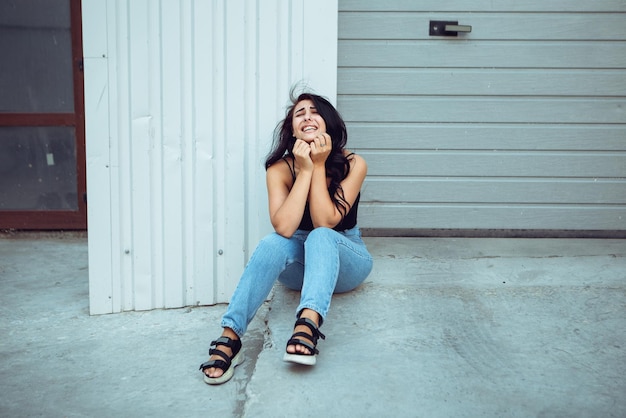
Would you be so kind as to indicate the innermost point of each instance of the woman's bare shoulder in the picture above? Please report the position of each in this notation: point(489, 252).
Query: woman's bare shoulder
point(354, 158)
point(281, 169)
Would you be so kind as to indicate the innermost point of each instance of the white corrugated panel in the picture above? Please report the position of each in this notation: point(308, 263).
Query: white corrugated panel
point(181, 101)
point(518, 125)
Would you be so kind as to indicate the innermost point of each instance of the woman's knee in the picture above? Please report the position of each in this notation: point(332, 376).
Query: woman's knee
point(273, 239)
point(322, 233)
point(271, 249)
point(273, 244)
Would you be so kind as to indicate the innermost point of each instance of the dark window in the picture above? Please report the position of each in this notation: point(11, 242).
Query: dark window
point(42, 139)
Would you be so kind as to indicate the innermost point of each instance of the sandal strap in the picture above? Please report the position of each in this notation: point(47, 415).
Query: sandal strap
point(315, 331)
point(228, 342)
point(234, 345)
point(313, 336)
point(218, 364)
point(301, 334)
point(295, 341)
point(215, 351)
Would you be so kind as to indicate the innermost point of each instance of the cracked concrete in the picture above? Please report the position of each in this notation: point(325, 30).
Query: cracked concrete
point(442, 327)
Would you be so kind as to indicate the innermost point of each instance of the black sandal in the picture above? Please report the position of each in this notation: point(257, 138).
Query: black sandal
point(301, 358)
point(225, 365)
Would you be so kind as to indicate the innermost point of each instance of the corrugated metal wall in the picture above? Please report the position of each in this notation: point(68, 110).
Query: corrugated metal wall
point(520, 124)
point(181, 100)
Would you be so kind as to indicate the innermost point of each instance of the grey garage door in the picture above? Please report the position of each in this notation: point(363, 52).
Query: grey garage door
point(519, 124)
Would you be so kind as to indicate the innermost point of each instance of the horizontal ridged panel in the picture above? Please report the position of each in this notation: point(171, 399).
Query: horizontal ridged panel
point(481, 54)
point(556, 6)
point(483, 109)
point(490, 82)
point(459, 136)
point(495, 190)
point(486, 26)
point(503, 217)
point(495, 163)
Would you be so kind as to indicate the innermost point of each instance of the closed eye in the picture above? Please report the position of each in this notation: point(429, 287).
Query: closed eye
point(302, 110)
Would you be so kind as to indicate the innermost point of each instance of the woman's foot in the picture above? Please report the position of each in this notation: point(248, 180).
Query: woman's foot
point(301, 348)
point(214, 371)
point(225, 356)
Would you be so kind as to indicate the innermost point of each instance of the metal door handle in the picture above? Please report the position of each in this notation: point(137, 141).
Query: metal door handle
point(458, 28)
point(447, 28)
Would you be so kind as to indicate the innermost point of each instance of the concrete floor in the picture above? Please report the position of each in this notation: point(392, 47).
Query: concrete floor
point(441, 328)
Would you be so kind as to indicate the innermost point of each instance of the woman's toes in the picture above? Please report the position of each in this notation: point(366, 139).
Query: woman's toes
point(297, 349)
point(302, 349)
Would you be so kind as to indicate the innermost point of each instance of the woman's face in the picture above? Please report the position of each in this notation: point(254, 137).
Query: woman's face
point(307, 123)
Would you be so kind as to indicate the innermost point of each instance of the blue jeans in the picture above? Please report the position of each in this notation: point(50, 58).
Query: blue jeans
point(318, 263)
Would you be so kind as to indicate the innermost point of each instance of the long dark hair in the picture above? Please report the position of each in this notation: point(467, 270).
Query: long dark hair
point(337, 164)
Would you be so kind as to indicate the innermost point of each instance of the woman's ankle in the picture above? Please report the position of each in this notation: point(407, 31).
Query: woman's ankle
point(312, 315)
point(228, 332)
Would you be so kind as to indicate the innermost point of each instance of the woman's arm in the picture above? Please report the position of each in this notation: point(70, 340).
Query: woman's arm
point(287, 205)
point(323, 210)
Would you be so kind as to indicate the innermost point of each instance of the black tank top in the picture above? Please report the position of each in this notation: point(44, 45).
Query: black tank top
point(348, 221)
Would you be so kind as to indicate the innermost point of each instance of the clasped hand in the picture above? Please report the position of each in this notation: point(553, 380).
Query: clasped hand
point(311, 154)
